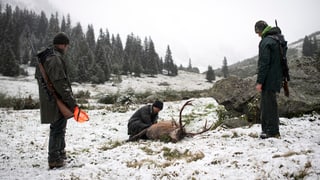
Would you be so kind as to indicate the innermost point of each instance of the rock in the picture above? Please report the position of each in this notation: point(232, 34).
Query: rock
point(239, 96)
point(235, 122)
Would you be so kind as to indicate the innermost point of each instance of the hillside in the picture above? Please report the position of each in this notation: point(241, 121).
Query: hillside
point(247, 67)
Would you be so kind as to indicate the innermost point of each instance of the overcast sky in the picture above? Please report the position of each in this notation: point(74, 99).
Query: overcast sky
point(203, 30)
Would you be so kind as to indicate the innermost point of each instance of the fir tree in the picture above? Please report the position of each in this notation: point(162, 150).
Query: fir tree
point(53, 28)
point(210, 75)
point(168, 63)
point(90, 37)
point(307, 48)
point(225, 70)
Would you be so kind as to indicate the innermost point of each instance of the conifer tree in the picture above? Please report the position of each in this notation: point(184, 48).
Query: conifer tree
point(90, 37)
point(167, 61)
point(169, 65)
point(210, 75)
point(53, 29)
point(225, 70)
point(151, 58)
point(117, 56)
point(10, 66)
point(101, 59)
point(189, 68)
point(307, 49)
point(41, 31)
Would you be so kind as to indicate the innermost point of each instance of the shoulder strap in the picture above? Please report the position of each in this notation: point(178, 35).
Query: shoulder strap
point(44, 54)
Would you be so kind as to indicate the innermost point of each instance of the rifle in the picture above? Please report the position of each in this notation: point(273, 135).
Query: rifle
point(65, 111)
point(284, 61)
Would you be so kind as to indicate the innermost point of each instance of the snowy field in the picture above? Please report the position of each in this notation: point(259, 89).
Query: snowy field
point(97, 149)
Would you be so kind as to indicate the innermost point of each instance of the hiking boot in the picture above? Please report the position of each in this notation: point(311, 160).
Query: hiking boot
point(55, 160)
point(56, 164)
point(266, 136)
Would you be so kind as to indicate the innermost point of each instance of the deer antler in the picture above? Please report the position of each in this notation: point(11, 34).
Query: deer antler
point(180, 115)
point(205, 129)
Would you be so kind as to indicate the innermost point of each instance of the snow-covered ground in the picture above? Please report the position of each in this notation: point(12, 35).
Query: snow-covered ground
point(97, 149)
point(25, 86)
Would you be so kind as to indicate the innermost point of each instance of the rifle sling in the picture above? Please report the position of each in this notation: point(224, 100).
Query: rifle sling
point(47, 81)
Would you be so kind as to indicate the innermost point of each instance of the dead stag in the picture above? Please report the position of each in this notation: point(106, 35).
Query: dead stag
point(168, 130)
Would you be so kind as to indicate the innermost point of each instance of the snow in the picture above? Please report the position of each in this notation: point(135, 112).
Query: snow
point(98, 150)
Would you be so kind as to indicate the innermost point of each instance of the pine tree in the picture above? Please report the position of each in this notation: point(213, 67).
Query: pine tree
point(225, 70)
point(10, 65)
point(117, 55)
point(101, 59)
point(210, 75)
point(189, 68)
point(41, 32)
point(315, 45)
point(307, 48)
point(53, 28)
point(90, 37)
point(168, 62)
point(151, 58)
point(133, 55)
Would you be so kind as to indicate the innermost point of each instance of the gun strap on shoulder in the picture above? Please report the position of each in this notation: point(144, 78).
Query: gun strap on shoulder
point(47, 80)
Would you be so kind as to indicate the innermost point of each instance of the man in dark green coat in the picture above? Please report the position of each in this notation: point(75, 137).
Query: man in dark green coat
point(55, 68)
point(144, 118)
point(269, 80)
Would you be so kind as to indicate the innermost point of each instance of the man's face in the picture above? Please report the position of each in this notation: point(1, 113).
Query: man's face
point(259, 34)
point(63, 47)
point(156, 110)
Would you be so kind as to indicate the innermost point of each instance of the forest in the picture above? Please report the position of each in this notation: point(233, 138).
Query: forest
point(23, 33)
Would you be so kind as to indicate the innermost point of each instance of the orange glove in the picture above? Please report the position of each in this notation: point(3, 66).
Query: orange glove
point(79, 115)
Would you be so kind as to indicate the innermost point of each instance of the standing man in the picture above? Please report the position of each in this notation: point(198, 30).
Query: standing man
point(55, 68)
point(144, 118)
point(269, 80)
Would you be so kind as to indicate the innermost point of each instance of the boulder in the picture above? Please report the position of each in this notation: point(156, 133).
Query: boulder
point(240, 97)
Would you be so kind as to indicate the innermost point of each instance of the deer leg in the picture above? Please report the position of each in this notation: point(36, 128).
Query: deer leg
point(138, 136)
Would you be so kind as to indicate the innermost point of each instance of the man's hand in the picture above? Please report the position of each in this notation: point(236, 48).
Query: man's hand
point(259, 87)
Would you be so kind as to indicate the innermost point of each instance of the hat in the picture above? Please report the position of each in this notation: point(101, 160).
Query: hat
point(158, 104)
point(260, 26)
point(61, 38)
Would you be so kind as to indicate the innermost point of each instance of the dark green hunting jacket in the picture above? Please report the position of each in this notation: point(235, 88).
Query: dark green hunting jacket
point(55, 68)
point(269, 62)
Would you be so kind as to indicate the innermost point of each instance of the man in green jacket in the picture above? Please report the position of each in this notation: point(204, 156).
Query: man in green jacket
point(269, 80)
point(55, 68)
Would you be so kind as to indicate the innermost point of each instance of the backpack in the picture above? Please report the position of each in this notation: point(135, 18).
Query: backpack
point(42, 55)
point(284, 62)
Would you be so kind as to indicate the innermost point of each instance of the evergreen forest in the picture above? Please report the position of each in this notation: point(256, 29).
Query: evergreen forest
point(23, 33)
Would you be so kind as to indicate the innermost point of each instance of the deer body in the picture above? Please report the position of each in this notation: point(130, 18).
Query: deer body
point(164, 130)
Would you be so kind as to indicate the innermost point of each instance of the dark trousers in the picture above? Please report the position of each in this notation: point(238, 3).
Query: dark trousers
point(57, 139)
point(269, 113)
point(136, 127)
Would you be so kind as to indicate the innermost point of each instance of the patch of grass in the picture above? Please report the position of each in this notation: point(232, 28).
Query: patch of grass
point(18, 103)
point(254, 135)
point(300, 174)
point(174, 154)
point(148, 151)
point(137, 164)
point(108, 99)
point(110, 145)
